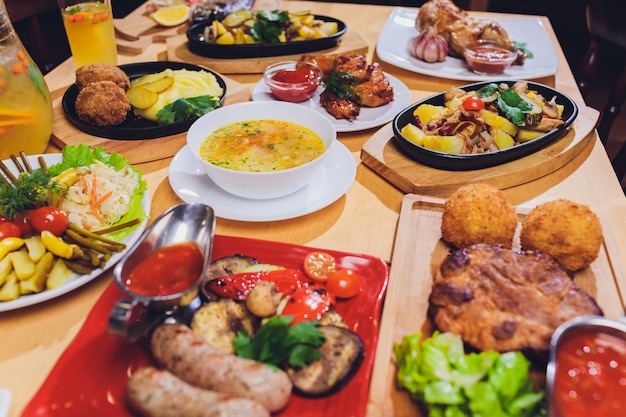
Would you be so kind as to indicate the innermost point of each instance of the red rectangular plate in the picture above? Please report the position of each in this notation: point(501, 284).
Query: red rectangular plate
point(89, 378)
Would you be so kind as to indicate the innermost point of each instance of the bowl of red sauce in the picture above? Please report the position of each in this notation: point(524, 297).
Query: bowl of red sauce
point(586, 374)
point(488, 57)
point(293, 81)
point(162, 271)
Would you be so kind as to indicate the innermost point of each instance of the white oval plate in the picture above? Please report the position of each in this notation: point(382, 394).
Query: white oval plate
point(368, 118)
point(75, 280)
point(394, 40)
point(192, 185)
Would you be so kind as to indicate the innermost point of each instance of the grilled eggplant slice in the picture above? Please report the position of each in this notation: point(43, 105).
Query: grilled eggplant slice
point(343, 353)
point(229, 265)
point(219, 321)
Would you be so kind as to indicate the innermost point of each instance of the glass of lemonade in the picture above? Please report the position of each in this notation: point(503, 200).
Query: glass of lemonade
point(90, 31)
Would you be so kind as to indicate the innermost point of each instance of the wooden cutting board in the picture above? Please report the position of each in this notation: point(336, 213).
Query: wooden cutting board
point(382, 155)
point(138, 24)
point(177, 50)
point(418, 249)
point(136, 151)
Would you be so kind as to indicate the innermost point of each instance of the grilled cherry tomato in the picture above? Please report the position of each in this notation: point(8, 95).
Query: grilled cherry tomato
point(237, 286)
point(473, 103)
point(319, 266)
point(308, 303)
point(9, 229)
point(345, 283)
point(49, 218)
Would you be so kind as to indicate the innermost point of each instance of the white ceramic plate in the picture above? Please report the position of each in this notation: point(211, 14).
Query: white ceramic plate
point(394, 42)
point(75, 280)
point(192, 185)
point(367, 119)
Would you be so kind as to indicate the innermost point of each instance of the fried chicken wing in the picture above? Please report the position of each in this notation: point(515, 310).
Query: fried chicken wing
point(459, 29)
point(376, 90)
point(340, 108)
point(351, 83)
point(353, 64)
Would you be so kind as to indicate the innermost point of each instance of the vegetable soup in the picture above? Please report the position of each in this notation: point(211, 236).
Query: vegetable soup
point(261, 146)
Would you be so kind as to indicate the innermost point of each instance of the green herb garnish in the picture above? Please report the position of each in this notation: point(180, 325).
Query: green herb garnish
point(522, 47)
point(509, 102)
point(342, 84)
point(268, 25)
point(30, 190)
point(185, 108)
point(276, 342)
point(488, 90)
point(513, 106)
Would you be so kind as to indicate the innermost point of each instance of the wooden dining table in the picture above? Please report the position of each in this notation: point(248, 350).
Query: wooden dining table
point(364, 221)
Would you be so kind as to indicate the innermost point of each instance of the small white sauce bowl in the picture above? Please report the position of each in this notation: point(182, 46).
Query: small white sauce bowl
point(261, 185)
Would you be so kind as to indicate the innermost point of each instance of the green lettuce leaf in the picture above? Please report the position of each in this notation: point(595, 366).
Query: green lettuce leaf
point(451, 383)
point(84, 155)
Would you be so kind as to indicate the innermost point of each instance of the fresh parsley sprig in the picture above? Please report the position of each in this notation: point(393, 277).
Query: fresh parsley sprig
point(276, 342)
point(185, 108)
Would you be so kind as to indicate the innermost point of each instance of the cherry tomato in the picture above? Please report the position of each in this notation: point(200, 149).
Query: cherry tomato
point(23, 221)
point(308, 303)
point(9, 229)
point(473, 103)
point(319, 266)
point(345, 283)
point(49, 218)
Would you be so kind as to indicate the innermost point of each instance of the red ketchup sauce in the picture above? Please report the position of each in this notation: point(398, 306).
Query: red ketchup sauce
point(168, 270)
point(487, 59)
point(296, 92)
point(590, 377)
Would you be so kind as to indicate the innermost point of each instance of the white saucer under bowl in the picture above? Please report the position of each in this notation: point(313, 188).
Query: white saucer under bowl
point(192, 185)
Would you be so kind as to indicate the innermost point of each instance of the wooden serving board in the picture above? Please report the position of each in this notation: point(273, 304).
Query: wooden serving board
point(177, 50)
point(136, 151)
point(381, 154)
point(418, 250)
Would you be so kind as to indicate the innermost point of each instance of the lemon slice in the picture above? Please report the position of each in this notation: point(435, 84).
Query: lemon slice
point(171, 15)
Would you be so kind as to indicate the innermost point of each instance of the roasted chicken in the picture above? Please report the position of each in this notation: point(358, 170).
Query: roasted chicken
point(351, 83)
point(459, 29)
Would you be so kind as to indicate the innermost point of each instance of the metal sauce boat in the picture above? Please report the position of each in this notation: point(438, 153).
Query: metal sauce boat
point(135, 316)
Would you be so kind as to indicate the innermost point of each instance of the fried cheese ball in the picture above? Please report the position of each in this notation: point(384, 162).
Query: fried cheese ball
point(478, 213)
point(102, 103)
point(570, 232)
point(92, 73)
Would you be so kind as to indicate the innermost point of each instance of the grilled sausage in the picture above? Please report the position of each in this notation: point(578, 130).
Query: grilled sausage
point(154, 392)
point(188, 356)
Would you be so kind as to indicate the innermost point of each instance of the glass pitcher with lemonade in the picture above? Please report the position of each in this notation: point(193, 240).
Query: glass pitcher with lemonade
point(90, 31)
point(25, 104)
